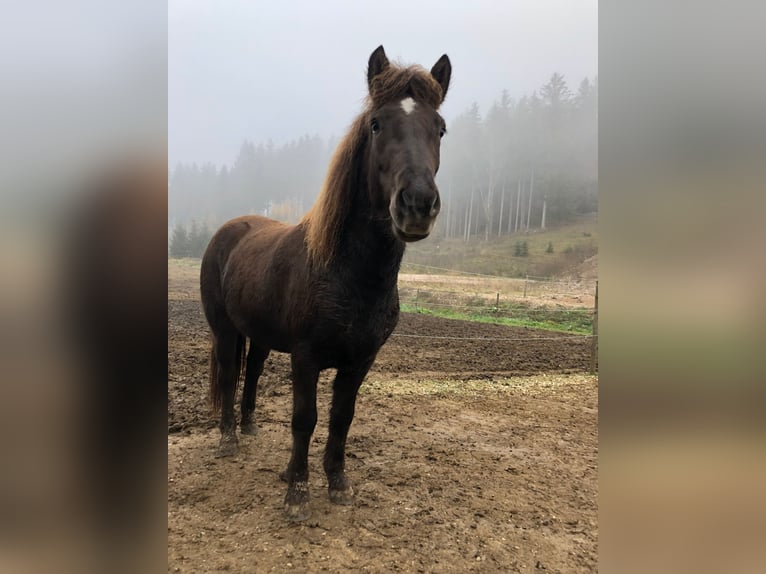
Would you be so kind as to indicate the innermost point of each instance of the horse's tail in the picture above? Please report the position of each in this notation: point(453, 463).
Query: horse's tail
point(216, 390)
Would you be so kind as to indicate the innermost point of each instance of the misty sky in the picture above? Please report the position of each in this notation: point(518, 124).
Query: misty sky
point(258, 70)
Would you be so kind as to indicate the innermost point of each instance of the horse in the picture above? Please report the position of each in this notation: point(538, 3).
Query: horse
point(325, 290)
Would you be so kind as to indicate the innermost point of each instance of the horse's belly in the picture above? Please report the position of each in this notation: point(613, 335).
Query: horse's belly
point(265, 330)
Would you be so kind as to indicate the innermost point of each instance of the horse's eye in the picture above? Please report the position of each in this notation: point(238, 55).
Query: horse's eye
point(442, 131)
point(375, 126)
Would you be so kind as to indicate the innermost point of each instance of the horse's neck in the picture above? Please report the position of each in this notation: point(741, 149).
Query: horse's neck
point(367, 245)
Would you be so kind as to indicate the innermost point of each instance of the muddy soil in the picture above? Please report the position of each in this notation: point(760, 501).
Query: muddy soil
point(457, 351)
point(466, 455)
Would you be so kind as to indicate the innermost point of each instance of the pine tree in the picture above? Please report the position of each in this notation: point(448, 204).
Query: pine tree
point(179, 242)
point(555, 93)
point(199, 237)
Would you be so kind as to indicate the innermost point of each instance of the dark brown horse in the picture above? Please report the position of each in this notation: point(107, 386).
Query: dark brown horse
point(324, 290)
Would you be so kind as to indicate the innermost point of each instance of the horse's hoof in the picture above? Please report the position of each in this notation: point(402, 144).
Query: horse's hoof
point(344, 497)
point(227, 447)
point(248, 428)
point(297, 501)
point(297, 512)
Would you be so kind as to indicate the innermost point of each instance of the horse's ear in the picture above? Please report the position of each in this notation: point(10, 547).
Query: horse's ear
point(378, 62)
point(441, 72)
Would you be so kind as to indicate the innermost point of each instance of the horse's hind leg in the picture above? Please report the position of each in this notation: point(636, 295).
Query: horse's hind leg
point(344, 391)
point(228, 348)
point(256, 356)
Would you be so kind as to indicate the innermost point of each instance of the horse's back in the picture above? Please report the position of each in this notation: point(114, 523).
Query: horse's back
point(250, 274)
point(217, 258)
point(233, 233)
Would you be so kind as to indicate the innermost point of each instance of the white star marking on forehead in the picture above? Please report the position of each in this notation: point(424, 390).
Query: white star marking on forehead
point(408, 104)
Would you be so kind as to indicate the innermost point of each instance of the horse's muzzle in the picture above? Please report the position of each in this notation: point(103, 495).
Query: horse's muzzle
point(414, 210)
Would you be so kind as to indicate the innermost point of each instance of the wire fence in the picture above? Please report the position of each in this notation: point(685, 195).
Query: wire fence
point(492, 339)
point(573, 287)
point(459, 272)
point(501, 305)
point(497, 301)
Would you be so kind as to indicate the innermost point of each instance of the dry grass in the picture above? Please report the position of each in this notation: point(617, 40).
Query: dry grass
point(572, 244)
point(569, 293)
point(183, 284)
point(473, 387)
point(183, 279)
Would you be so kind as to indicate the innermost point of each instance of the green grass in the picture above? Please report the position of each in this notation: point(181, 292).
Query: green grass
point(575, 321)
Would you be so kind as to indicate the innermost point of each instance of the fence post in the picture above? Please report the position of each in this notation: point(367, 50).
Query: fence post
point(594, 339)
point(417, 296)
point(497, 304)
point(525, 285)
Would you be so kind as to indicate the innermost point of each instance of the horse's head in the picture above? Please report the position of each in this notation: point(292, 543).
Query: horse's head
point(405, 133)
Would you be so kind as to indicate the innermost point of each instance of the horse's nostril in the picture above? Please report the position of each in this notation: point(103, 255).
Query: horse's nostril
point(418, 202)
point(430, 205)
point(401, 200)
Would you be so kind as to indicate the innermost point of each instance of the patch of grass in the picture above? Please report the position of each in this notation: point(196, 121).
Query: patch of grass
point(193, 262)
point(549, 253)
point(575, 321)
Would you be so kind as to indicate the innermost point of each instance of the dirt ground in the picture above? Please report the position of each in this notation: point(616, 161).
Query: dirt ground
point(467, 456)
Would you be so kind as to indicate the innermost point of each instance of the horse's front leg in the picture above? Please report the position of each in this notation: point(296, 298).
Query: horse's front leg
point(305, 375)
point(344, 391)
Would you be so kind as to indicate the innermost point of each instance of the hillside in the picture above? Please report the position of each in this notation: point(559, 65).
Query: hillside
point(567, 251)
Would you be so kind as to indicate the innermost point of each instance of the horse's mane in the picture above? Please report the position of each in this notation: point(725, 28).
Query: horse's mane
point(324, 222)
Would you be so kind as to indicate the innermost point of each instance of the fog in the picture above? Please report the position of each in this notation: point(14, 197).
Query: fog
point(264, 70)
point(275, 86)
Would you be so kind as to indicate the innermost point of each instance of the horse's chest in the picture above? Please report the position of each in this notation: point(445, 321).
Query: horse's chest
point(357, 329)
point(370, 328)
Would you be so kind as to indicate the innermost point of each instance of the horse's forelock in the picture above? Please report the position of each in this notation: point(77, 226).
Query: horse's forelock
point(397, 82)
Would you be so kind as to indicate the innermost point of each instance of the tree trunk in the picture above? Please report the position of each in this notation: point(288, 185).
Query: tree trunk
point(447, 210)
point(488, 209)
point(531, 191)
point(470, 219)
point(502, 203)
point(465, 225)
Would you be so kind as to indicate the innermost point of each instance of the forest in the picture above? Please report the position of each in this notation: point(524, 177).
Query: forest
point(525, 164)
